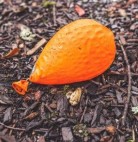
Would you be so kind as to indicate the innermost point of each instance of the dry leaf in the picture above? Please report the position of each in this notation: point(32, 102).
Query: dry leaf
point(111, 129)
point(36, 47)
point(12, 53)
point(79, 10)
point(75, 97)
point(31, 115)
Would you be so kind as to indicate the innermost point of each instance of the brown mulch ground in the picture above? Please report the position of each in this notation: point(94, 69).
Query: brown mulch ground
point(104, 113)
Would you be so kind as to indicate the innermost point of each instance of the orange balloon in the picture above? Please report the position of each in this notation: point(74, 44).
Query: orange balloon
point(20, 86)
point(79, 51)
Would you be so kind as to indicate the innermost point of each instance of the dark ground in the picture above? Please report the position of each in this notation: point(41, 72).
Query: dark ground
point(45, 114)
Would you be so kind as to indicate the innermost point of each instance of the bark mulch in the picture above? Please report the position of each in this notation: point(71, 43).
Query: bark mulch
point(105, 112)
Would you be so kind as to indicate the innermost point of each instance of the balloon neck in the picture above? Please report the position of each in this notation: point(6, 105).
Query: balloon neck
point(21, 86)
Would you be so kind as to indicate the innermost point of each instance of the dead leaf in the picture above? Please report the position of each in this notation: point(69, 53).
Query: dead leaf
point(31, 115)
point(111, 129)
point(36, 47)
point(79, 10)
point(12, 53)
point(75, 97)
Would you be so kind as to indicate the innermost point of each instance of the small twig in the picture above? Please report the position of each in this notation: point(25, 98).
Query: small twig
point(41, 130)
point(103, 79)
point(133, 135)
point(10, 133)
point(84, 109)
point(9, 127)
point(120, 106)
point(36, 47)
point(118, 88)
point(47, 133)
point(118, 73)
point(54, 15)
point(129, 85)
point(105, 87)
point(97, 83)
